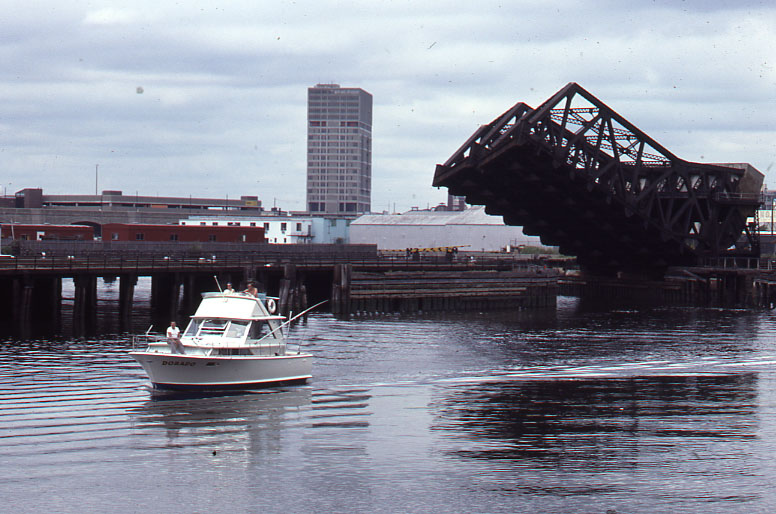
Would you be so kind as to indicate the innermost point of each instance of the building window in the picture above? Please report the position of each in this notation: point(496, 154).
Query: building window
point(266, 227)
point(139, 236)
point(283, 227)
point(211, 238)
point(298, 227)
point(114, 236)
point(202, 223)
point(173, 237)
point(253, 223)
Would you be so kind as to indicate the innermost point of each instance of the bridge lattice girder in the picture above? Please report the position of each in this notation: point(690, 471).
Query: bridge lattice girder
point(582, 177)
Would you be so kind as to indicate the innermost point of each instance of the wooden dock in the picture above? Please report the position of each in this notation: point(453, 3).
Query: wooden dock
point(357, 283)
point(424, 291)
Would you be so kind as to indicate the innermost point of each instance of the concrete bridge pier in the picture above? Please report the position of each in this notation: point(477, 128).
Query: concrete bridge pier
point(30, 306)
point(7, 303)
point(165, 298)
point(127, 285)
point(47, 304)
point(22, 305)
point(85, 305)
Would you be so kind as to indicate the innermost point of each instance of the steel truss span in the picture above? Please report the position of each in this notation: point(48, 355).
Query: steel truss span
point(585, 179)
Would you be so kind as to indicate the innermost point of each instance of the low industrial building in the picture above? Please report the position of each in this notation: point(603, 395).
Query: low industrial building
point(470, 229)
point(184, 234)
point(25, 232)
point(33, 198)
point(32, 206)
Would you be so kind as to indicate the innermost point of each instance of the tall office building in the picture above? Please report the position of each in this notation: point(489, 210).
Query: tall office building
point(339, 150)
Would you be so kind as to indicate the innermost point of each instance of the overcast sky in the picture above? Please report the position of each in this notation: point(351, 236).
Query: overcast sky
point(209, 98)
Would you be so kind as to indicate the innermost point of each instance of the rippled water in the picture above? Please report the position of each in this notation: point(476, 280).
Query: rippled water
point(668, 410)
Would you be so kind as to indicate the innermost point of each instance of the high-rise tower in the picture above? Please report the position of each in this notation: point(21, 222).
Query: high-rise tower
point(339, 150)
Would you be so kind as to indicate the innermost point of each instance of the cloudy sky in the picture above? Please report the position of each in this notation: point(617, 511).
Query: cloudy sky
point(209, 98)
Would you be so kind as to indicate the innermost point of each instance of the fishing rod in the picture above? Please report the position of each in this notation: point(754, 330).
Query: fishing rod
point(292, 319)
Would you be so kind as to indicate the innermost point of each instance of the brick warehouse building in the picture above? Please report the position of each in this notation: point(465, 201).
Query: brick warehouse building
point(182, 233)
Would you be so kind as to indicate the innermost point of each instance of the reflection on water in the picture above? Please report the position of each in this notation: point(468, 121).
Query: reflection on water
point(596, 424)
point(204, 419)
point(575, 411)
point(676, 440)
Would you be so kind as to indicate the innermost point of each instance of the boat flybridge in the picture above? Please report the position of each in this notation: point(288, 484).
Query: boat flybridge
point(234, 340)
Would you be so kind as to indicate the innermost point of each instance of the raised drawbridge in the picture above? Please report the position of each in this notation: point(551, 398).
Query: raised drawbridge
point(585, 179)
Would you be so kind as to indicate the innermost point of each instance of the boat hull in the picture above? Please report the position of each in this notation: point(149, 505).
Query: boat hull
point(175, 371)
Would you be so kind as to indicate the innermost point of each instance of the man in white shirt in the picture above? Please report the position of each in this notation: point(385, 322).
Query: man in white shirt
point(174, 338)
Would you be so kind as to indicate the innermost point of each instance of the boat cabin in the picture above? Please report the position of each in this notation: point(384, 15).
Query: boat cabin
point(235, 324)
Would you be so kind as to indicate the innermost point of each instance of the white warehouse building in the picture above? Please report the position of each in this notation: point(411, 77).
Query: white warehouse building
point(471, 228)
point(277, 229)
point(283, 229)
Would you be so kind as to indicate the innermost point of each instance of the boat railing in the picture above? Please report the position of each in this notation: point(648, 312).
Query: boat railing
point(142, 341)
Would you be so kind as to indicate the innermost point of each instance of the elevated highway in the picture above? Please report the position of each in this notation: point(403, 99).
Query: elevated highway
point(585, 179)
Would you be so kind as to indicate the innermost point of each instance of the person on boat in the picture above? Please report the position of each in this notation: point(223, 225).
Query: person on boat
point(229, 289)
point(252, 289)
point(174, 338)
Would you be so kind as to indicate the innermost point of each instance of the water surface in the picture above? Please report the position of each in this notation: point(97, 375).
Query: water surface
point(662, 410)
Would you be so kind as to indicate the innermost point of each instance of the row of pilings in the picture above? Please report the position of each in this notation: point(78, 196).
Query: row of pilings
point(362, 292)
point(698, 287)
point(31, 305)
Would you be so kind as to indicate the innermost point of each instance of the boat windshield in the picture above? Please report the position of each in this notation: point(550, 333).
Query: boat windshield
point(218, 327)
point(193, 327)
point(213, 327)
point(237, 329)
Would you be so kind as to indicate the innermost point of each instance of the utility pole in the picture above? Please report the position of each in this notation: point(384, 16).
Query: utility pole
point(96, 170)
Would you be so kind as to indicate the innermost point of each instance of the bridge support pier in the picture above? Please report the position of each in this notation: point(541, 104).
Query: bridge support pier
point(85, 304)
point(7, 303)
point(47, 299)
point(22, 306)
point(127, 285)
point(165, 298)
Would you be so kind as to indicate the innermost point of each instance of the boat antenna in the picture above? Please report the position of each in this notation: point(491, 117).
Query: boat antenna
point(149, 330)
point(217, 284)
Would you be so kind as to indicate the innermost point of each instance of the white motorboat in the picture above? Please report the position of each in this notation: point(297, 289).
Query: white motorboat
point(234, 340)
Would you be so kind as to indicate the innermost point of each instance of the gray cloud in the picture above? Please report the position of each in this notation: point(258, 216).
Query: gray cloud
point(224, 88)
